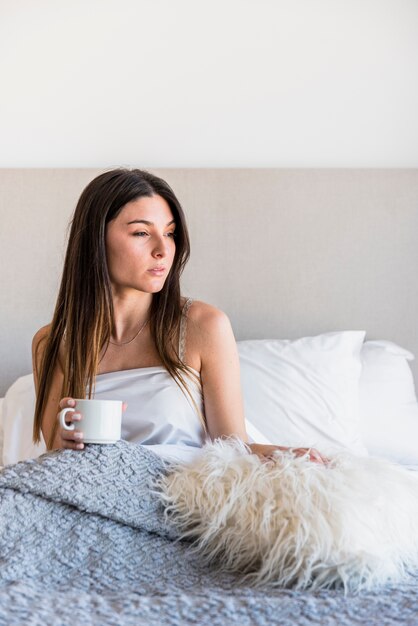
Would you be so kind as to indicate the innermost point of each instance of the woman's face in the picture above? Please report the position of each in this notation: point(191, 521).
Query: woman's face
point(135, 248)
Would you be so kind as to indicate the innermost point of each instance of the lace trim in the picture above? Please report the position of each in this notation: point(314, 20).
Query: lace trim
point(182, 339)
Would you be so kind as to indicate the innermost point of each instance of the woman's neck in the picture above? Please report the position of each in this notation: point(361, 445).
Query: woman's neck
point(131, 312)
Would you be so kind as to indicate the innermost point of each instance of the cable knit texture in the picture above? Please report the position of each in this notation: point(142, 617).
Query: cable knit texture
point(83, 541)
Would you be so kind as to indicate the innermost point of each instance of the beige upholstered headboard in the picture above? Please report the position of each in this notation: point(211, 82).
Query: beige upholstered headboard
point(285, 253)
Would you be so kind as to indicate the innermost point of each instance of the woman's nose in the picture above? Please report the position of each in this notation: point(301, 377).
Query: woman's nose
point(161, 247)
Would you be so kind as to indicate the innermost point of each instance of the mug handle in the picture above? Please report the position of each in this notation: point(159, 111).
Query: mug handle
point(63, 423)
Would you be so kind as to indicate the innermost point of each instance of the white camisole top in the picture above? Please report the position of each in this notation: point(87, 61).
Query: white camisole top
point(158, 411)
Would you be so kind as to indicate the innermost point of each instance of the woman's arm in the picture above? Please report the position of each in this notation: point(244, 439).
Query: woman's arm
point(52, 407)
point(70, 439)
point(220, 375)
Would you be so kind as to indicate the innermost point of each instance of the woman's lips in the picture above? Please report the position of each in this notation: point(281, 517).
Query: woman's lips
point(157, 272)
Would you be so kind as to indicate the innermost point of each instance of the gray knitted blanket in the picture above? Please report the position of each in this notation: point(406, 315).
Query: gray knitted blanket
point(83, 541)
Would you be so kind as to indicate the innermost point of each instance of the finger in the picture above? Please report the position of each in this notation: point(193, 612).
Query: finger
point(72, 439)
point(301, 451)
point(311, 454)
point(71, 417)
point(318, 455)
point(314, 454)
point(72, 445)
point(318, 458)
point(124, 406)
point(72, 435)
point(66, 402)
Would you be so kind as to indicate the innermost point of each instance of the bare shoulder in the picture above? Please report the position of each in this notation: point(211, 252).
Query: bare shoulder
point(206, 317)
point(208, 328)
point(38, 344)
point(40, 337)
point(219, 370)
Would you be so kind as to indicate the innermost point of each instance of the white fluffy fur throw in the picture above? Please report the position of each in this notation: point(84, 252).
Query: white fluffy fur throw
point(292, 522)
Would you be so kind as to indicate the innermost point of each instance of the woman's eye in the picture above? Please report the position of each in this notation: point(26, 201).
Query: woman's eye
point(173, 235)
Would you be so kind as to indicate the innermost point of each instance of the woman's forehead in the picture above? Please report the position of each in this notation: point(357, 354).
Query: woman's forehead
point(151, 208)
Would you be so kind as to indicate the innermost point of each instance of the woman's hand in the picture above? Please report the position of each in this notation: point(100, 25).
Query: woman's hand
point(73, 439)
point(265, 452)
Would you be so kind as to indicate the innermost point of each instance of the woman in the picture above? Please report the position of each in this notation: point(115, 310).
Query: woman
point(121, 327)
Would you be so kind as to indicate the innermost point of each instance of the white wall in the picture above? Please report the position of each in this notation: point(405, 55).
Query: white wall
point(222, 83)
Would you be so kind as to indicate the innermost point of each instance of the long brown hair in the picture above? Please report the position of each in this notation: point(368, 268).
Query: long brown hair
point(83, 313)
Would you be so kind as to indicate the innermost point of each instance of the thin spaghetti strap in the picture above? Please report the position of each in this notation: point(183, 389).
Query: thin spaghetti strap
point(183, 321)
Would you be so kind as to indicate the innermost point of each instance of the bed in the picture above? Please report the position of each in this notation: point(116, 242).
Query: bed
point(313, 268)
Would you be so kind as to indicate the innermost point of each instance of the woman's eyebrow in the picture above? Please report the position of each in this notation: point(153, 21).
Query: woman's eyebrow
point(149, 223)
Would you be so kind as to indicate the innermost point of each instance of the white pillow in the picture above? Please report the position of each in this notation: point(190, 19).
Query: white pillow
point(388, 403)
point(305, 392)
point(290, 379)
point(1, 430)
point(18, 411)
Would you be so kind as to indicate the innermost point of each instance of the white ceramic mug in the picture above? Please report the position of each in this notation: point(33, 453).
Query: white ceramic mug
point(100, 422)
